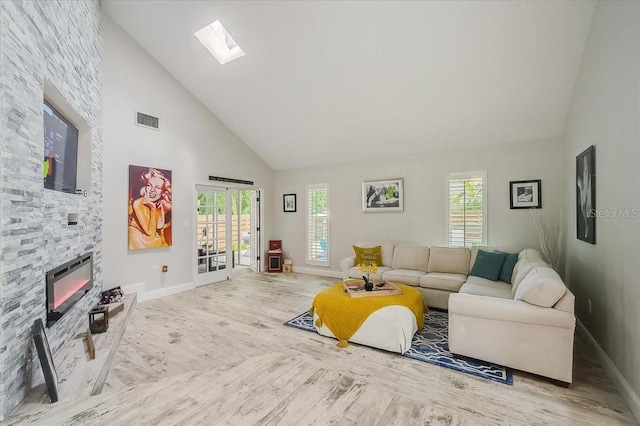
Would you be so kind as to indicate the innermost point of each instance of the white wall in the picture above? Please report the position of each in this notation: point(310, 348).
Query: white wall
point(424, 218)
point(191, 142)
point(605, 113)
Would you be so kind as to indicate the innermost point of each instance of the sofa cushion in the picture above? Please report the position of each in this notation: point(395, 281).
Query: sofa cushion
point(354, 272)
point(450, 260)
point(522, 268)
point(506, 272)
point(442, 281)
point(483, 287)
point(503, 249)
point(410, 257)
point(541, 287)
point(403, 276)
point(488, 264)
point(368, 254)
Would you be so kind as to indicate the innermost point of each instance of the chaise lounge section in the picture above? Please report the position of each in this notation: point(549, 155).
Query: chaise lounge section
point(525, 321)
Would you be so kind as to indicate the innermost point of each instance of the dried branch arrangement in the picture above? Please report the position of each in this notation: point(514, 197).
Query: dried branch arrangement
point(550, 235)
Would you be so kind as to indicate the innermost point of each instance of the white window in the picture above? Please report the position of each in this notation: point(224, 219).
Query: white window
point(318, 224)
point(466, 209)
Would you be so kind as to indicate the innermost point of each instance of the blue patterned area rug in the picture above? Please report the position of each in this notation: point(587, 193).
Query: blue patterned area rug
point(431, 344)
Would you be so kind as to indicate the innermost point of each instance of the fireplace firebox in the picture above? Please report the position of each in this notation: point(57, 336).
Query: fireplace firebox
point(66, 284)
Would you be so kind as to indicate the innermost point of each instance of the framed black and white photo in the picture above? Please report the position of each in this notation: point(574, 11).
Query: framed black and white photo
point(383, 196)
point(289, 202)
point(586, 195)
point(46, 359)
point(525, 194)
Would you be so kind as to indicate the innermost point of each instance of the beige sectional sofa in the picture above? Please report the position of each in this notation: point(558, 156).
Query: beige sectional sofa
point(437, 272)
point(527, 324)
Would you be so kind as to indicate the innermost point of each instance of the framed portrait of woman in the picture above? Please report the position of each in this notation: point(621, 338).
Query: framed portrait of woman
point(150, 195)
point(586, 195)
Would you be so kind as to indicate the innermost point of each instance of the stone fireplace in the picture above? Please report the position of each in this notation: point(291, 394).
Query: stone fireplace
point(66, 284)
point(41, 45)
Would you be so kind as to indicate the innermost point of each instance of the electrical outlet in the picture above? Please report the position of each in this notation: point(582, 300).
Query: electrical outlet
point(589, 302)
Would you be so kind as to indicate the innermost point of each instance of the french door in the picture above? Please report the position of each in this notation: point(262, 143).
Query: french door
point(214, 254)
point(255, 235)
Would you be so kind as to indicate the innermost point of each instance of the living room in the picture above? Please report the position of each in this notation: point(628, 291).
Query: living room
point(590, 95)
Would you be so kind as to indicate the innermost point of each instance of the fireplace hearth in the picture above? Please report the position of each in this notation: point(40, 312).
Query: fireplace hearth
point(66, 284)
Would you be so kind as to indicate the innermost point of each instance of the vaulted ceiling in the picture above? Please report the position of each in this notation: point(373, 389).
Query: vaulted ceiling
point(324, 82)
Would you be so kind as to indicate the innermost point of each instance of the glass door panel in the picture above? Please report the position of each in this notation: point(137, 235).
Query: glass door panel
point(213, 227)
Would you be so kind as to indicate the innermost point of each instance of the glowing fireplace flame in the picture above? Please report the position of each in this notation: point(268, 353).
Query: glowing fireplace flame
point(69, 291)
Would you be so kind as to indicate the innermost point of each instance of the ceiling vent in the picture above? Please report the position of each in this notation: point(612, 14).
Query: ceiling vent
point(149, 121)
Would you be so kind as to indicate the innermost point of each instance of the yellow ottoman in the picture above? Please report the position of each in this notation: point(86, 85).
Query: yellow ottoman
point(387, 322)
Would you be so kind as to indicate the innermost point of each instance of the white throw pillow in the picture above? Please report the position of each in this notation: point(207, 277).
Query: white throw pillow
point(541, 287)
point(529, 254)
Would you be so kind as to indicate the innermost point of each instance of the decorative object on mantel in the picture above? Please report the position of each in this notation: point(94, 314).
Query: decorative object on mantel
point(289, 203)
point(586, 195)
point(90, 346)
point(46, 359)
point(550, 236)
point(113, 295)
point(383, 195)
point(525, 194)
point(99, 319)
point(150, 198)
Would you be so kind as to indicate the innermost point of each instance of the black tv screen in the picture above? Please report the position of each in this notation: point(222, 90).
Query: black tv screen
point(60, 151)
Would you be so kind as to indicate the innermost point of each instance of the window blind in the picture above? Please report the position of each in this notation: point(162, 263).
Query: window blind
point(318, 224)
point(466, 209)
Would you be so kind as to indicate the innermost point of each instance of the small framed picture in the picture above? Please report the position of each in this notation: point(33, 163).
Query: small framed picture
point(289, 203)
point(380, 196)
point(525, 194)
point(46, 359)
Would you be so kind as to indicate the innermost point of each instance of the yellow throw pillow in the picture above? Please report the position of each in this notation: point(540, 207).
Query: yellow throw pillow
point(368, 254)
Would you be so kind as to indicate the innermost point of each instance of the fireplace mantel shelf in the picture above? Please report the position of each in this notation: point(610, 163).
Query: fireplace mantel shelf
point(78, 376)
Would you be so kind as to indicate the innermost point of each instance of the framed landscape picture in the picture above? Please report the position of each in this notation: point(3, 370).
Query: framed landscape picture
point(383, 196)
point(525, 194)
point(586, 195)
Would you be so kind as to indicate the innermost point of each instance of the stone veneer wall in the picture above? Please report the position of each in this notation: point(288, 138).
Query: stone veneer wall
point(58, 41)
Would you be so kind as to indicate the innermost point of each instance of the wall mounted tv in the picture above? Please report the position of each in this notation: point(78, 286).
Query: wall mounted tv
point(60, 164)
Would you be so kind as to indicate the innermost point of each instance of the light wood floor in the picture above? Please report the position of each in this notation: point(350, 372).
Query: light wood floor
point(219, 354)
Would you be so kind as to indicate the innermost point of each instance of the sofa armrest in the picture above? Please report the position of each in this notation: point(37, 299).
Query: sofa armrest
point(516, 311)
point(346, 264)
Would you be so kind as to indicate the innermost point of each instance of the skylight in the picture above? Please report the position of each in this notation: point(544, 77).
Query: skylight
point(219, 42)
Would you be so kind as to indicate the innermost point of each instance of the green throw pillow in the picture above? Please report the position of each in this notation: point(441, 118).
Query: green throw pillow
point(488, 264)
point(368, 255)
point(506, 271)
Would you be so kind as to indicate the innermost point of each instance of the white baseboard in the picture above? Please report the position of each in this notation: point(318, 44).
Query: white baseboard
point(137, 288)
point(318, 271)
point(143, 294)
point(623, 387)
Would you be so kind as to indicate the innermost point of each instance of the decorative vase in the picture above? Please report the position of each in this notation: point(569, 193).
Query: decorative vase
point(368, 285)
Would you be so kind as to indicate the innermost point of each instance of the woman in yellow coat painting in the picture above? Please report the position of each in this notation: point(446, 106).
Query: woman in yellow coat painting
point(149, 215)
